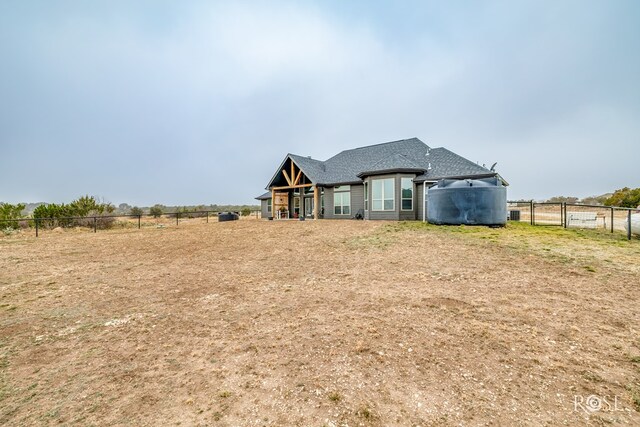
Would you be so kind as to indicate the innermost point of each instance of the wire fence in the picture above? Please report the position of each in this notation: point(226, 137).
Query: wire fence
point(118, 221)
point(567, 215)
point(572, 215)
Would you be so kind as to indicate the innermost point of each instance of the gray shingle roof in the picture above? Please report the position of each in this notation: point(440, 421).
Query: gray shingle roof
point(313, 169)
point(445, 163)
point(407, 154)
point(265, 196)
point(345, 166)
point(396, 160)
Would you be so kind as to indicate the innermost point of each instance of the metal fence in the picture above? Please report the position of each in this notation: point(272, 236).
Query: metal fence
point(121, 221)
point(572, 215)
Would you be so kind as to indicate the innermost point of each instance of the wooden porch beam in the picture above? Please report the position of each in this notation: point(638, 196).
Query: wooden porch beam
point(287, 177)
point(273, 203)
point(293, 173)
point(316, 202)
point(297, 180)
point(293, 186)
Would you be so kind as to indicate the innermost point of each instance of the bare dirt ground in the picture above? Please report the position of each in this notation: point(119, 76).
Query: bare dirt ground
point(319, 323)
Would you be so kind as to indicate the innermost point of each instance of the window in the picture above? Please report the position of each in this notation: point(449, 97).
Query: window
point(269, 205)
point(407, 194)
point(383, 194)
point(342, 200)
point(296, 205)
point(308, 206)
point(366, 196)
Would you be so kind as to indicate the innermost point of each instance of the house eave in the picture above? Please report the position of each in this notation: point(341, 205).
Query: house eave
point(337, 184)
point(475, 176)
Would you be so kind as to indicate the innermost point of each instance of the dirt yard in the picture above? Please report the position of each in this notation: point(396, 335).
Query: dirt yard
point(320, 323)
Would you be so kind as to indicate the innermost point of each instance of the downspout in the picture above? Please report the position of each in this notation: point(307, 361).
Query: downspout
point(424, 201)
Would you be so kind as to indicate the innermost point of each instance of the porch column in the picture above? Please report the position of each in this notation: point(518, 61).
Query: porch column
point(273, 203)
point(316, 201)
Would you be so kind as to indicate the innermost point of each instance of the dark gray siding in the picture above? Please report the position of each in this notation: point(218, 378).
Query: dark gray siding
point(357, 199)
point(263, 208)
point(357, 202)
point(328, 203)
point(419, 201)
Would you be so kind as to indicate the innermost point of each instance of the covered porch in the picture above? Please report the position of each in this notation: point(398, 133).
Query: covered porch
point(293, 194)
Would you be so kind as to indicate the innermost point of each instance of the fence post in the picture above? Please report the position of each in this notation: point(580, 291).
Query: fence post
point(563, 214)
point(533, 221)
point(177, 217)
point(139, 216)
point(629, 224)
point(207, 217)
point(95, 224)
point(612, 220)
point(37, 227)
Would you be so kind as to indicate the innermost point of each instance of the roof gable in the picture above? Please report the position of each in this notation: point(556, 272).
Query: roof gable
point(311, 168)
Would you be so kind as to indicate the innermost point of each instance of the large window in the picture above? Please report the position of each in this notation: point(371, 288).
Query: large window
point(407, 194)
point(383, 194)
point(366, 196)
point(296, 205)
point(342, 200)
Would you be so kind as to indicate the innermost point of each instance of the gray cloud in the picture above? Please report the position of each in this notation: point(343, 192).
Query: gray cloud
point(198, 103)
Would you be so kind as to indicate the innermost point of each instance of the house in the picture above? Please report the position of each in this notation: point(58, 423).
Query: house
point(382, 181)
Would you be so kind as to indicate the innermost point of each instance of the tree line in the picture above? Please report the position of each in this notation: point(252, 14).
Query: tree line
point(90, 212)
point(625, 197)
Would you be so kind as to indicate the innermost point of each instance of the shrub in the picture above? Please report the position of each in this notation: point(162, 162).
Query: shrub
point(53, 215)
point(87, 207)
point(136, 211)
point(625, 197)
point(9, 211)
point(246, 211)
point(156, 211)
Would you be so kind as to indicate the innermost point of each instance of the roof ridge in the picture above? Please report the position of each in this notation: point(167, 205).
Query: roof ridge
point(383, 143)
point(305, 157)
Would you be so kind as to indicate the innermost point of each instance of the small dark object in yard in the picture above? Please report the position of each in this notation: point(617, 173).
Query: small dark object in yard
point(228, 216)
point(270, 218)
point(301, 218)
point(359, 214)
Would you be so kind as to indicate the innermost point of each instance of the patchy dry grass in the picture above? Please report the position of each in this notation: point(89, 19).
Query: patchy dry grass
point(588, 248)
point(318, 323)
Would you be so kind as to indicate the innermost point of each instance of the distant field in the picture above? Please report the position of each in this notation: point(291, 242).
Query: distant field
point(319, 323)
point(552, 215)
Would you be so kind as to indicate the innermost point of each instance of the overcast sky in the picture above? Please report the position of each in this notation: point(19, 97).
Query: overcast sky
point(181, 102)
